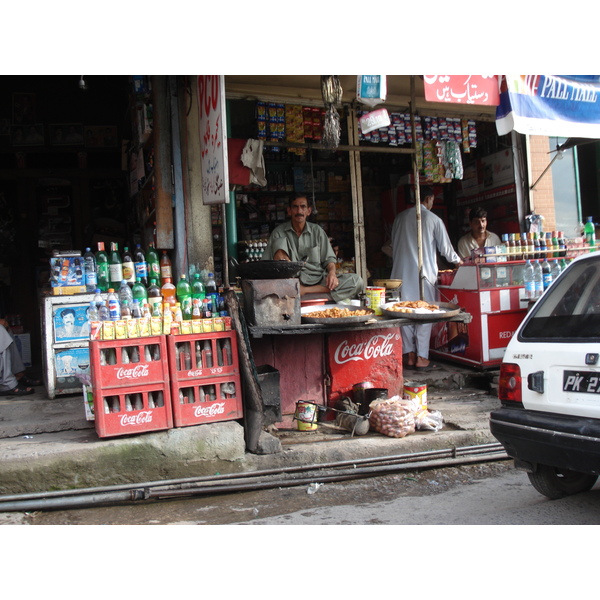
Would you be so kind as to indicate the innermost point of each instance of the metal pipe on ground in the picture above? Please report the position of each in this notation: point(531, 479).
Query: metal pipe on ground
point(218, 485)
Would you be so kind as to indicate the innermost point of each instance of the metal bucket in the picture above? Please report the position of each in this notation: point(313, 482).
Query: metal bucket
point(374, 394)
point(306, 415)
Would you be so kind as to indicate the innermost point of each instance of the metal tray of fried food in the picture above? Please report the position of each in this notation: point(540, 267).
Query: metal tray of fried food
point(346, 317)
point(445, 311)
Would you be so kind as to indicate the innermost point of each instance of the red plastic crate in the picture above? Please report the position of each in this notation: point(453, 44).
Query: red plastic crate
point(134, 409)
point(218, 355)
point(206, 400)
point(146, 362)
point(203, 391)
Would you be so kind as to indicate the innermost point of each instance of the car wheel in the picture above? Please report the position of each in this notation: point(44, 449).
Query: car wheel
point(555, 483)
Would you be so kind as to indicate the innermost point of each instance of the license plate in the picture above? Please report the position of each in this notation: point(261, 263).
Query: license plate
point(586, 382)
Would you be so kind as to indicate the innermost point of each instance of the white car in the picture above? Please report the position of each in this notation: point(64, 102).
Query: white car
point(549, 385)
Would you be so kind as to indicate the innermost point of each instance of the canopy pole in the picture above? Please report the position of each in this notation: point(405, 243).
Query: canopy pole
point(417, 188)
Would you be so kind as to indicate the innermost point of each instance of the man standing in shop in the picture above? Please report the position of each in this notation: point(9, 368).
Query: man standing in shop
point(478, 237)
point(297, 238)
point(415, 338)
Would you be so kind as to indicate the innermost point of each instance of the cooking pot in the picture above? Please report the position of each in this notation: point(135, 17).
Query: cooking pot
point(268, 269)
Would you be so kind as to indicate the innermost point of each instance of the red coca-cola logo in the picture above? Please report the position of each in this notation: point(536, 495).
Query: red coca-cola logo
point(212, 410)
point(375, 347)
point(144, 416)
point(132, 373)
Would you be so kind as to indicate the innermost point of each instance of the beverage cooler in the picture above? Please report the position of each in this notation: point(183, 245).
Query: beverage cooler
point(65, 343)
point(493, 293)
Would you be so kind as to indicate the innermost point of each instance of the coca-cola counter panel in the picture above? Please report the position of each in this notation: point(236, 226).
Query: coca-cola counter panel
point(373, 355)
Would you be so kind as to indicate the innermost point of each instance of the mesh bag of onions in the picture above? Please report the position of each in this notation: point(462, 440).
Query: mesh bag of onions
point(392, 417)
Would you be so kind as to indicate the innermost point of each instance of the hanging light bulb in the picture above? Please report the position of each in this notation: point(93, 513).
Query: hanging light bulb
point(82, 84)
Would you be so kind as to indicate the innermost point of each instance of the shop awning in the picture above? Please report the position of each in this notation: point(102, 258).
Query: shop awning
point(550, 105)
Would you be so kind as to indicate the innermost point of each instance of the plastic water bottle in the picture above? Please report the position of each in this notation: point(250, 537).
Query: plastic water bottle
point(98, 299)
point(555, 269)
point(538, 279)
point(90, 270)
point(125, 292)
point(528, 280)
point(93, 312)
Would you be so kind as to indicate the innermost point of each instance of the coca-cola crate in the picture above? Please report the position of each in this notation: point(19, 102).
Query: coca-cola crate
point(206, 400)
point(128, 410)
point(200, 355)
point(132, 361)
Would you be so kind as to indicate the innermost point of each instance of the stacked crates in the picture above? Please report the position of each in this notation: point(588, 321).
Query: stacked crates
point(205, 378)
point(130, 380)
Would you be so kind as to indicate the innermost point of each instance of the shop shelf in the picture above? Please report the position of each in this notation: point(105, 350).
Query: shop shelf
point(128, 410)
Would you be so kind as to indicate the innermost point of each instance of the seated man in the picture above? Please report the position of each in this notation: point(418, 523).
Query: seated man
point(13, 381)
point(297, 238)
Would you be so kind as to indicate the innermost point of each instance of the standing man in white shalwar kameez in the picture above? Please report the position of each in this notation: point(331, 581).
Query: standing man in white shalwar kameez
point(416, 338)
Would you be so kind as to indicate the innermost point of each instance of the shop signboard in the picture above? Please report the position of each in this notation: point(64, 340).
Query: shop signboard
point(213, 139)
point(373, 355)
point(550, 105)
point(462, 89)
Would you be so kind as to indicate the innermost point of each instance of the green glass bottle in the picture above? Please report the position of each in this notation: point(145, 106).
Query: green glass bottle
point(102, 267)
point(153, 263)
point(184, 297)
point(115, 266)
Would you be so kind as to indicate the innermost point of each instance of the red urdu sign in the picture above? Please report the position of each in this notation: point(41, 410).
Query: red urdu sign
point(462, 89)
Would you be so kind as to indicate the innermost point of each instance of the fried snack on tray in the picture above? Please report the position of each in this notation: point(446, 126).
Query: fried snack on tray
point(338, 313)
point(411, 305)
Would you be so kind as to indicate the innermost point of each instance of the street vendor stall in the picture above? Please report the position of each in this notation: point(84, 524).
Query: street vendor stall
point(332, 354)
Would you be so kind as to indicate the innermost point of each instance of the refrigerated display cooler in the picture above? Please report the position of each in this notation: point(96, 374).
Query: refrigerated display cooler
point(65, 343)
point(493, 293)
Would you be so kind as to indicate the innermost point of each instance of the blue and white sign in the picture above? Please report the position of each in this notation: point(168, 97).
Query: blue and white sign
point(550, 105)
point(371, 89)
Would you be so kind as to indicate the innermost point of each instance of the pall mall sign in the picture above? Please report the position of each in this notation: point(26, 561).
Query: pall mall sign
point(371, 355)
point(213, 139)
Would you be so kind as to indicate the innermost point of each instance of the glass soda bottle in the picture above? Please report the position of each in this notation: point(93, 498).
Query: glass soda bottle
point(90, 270)
point(102, 268)
point(153, 263)
point(115, 266)
point(128, 267)
point(184, 296)
point(165, 267)
point(141, 265)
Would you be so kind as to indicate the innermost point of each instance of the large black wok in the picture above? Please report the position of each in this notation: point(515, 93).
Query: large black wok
point(268, 269)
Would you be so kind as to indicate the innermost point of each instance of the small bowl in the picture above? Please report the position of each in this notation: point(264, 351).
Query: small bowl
point(388, 284)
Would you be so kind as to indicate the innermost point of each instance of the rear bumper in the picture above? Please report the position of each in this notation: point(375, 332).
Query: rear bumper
point(561, 441)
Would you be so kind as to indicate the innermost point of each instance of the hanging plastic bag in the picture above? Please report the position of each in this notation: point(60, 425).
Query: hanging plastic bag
point(371, 89)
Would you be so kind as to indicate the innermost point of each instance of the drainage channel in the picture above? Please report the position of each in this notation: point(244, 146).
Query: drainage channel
point(253, 480)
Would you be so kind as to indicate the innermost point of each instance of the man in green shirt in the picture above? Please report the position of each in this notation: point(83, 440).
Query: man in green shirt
point(297, 238)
